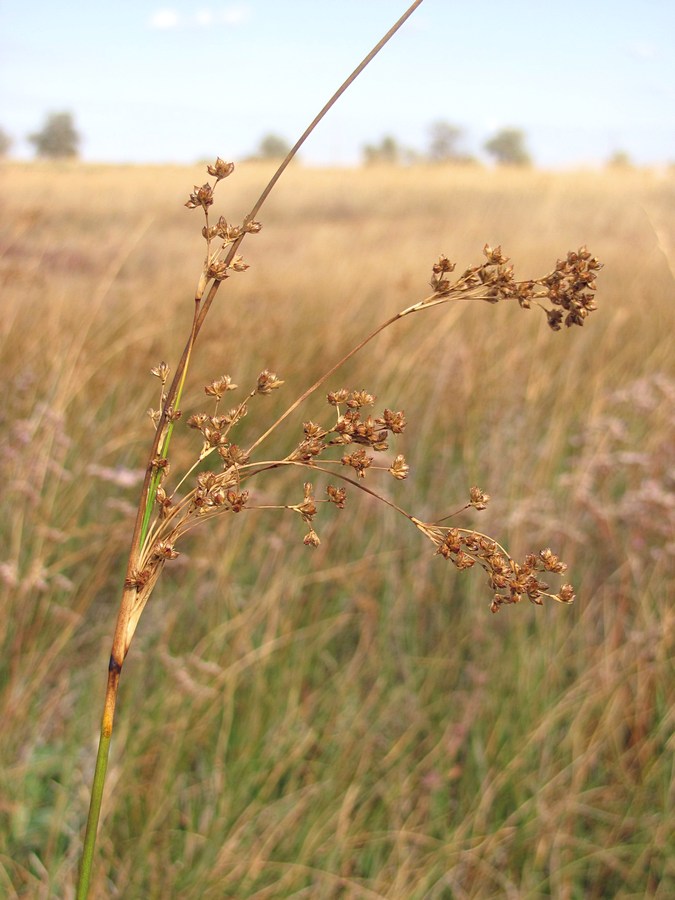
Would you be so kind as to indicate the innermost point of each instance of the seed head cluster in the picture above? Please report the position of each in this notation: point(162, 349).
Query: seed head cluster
point(216, 268)
point(511, 581)
point(353, 426)
point(349, 444)
point(569, 288)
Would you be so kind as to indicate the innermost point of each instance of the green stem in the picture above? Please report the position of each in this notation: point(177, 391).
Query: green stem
point(163, 451)
point(99, 782)
point(92, 821)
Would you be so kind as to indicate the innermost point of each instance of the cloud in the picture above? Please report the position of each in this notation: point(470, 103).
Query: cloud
point(164, 19)
point(169, 19)
point(203, 18)
point(234, 15)
point(643, 50)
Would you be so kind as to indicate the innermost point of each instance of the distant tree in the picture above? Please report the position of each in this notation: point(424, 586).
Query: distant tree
point(444, 141)
point(508, 148)
point(387, 151)
point(5, 142)
point(272, 147)
point(620, 160)
point(58, 137)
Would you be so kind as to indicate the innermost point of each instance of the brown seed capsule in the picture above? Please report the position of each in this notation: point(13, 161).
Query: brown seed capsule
point(201, 196)
point(267, 382)
point(399, 468)
point(311, 539)
point(220, 169)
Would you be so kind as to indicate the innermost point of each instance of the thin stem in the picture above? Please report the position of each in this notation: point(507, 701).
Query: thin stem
point(317, 384)
point(336, 96)
point(157, 475)
point(98, 783)
point(195, 464)
point(452, 514)
point(162, 437)
point(428, 303)
point(277, 464)
point(301, 140)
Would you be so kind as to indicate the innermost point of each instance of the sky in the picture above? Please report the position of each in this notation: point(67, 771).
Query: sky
point(179, 81)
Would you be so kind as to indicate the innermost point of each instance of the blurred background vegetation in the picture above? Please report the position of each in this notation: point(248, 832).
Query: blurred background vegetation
point(446, 143)
point(349, 721)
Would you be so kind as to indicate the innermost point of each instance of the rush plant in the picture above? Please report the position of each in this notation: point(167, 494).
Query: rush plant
point(348, 449)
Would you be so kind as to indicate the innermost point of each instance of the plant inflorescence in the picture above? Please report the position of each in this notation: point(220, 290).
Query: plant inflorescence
point(342, 452)
point(347, 445)
point(345, 449)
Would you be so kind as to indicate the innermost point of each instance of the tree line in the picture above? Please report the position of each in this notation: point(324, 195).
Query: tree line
point(446, 145)
point(507, 147)
point(59, 139)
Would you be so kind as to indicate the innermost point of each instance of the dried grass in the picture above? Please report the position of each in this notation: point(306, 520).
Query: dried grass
point(343, 722)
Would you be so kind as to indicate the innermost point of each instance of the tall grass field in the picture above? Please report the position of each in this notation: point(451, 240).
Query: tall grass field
point(349, 720)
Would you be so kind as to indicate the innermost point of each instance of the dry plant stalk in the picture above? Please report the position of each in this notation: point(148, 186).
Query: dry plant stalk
point(344, 447)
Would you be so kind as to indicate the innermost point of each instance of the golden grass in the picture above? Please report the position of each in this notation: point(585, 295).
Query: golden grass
point(349, 722)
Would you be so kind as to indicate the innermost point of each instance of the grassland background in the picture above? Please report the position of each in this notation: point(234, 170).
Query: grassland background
point(351, 721)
